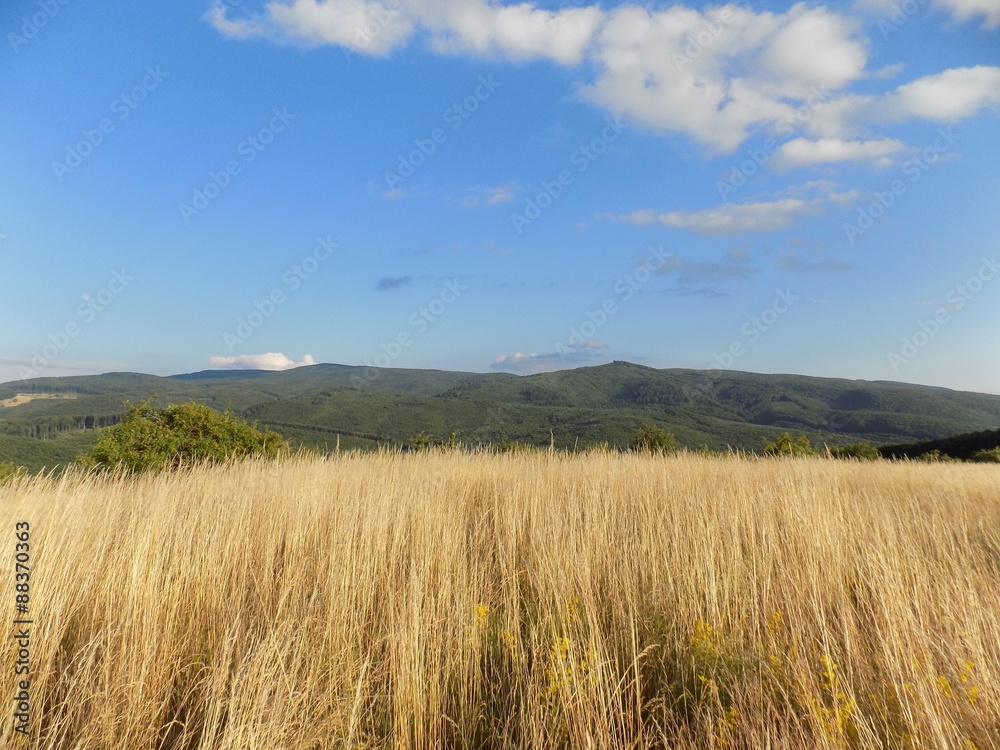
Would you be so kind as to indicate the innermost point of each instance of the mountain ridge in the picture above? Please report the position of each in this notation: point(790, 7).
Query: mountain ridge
point(326, 404)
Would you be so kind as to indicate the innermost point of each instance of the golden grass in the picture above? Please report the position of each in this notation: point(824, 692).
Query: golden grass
point(24, 398)
point(457, 599)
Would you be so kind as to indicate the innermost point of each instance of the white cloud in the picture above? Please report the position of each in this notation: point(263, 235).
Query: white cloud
point(520, 32)
point(785, 208)
point(374, 28)
point(731, 218)
point(500, 194)
point(377, 28)
point(491, 196)
point(715, 75)
point(235, 29)
point(963, 10)
point(583, 353)
point(802, 152)
point(268, 361)
point(846, 198)
point(754, 70)
point(948, 96)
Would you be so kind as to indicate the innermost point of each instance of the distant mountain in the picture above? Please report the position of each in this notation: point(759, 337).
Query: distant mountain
point(365, 407)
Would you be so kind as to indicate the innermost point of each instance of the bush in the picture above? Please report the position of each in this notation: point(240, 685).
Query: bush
point(148, 439)
point(936, 456)
point(788, 446)
point(862, 451)
point(654, 440)
point(515, 446)
point(10, 471)
point(422, 441)
point(991, 456)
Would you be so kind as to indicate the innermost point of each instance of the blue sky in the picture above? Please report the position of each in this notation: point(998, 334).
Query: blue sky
point(770, 187)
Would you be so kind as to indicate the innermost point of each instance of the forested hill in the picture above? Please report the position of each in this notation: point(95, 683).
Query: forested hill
point(49, 420)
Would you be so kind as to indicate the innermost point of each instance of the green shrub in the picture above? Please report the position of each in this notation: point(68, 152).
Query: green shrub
point(150, 439)
point(786, 445)
point(654, 440)
point(515, 446)
point(601, 447)
point(10, 471)
point(991, 456)
point(936, 456)
point(864, 451)
point(424, 441)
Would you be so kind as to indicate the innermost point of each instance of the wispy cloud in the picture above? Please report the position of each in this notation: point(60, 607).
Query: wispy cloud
point(802, 152)
point(493, 248)
point(791, 261)
point(728, 218)
point(584, 353)
point(698, 272)
point(490, 196)
point(386, 283)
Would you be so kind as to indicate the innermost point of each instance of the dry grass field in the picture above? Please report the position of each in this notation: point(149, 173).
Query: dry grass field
point(453, 599)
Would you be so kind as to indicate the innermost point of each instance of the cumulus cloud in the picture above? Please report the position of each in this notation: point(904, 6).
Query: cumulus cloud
point(949, 96)
point(715, 75)
point(802, 152)
point(269, 361)
point(521, 32)
point(945, 97)
point(372, 27)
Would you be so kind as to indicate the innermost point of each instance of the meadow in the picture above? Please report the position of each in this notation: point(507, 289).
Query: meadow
point(480, 600)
